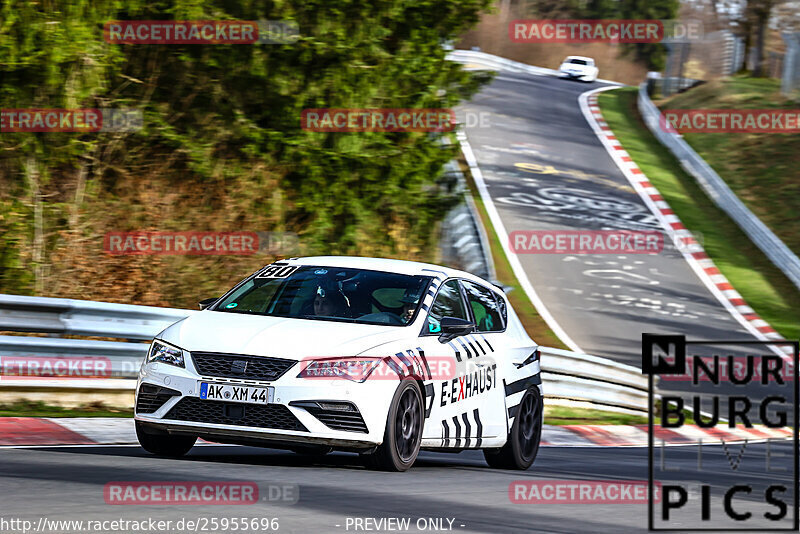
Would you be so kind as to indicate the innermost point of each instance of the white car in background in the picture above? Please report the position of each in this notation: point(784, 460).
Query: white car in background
point(380, 357)
point(579, 68)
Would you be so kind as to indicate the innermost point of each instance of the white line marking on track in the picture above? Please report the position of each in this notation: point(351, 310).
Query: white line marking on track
point(513, 260)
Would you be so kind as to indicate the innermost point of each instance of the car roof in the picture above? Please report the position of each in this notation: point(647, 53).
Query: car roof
point(580, 57)
point(387, 265)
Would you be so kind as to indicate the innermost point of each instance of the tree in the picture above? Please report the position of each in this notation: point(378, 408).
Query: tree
point(652, 54)
point(221, 116)
point(758, 12)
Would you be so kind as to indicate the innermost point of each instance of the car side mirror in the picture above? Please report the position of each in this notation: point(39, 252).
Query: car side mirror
point(452, 327)
point(205, 303)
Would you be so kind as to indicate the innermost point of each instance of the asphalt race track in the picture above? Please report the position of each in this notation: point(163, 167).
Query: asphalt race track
point(545, 170)
point(67, 483)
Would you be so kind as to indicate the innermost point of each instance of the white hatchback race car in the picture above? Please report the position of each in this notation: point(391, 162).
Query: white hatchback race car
point(579, 68)
point(375, 356)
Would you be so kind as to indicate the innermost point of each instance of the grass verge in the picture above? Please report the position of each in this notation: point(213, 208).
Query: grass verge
point(534, 324)
point(567, 415)
point(761, 168)
point(763, 286)
point(26, 408)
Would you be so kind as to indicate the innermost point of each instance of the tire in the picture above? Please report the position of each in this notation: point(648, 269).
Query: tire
point(520, 450)
point(403, 434)
point(163, 444)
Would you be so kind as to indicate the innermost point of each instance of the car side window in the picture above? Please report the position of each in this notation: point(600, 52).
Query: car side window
point(501, 306)
point(448, 303)
point(485, 308)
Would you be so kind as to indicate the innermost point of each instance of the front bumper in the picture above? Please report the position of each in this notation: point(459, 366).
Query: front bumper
point(280, 424)
point(574, 75)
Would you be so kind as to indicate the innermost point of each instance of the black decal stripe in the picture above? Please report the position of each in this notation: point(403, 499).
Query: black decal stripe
point(431, 292)
point(424, 306)
point(418, 364)
point(523, 384)
point(418, 370)
point(512, 411)
point(430, 394)
point(425, 361)
point(458, 429)
point(478, 425)
point(473, 348)
point(487, 343)
point(467, 428)
point(408, 363)
point(458, 354)
point(394, 367)
point(469, 354)
point(446, 435)
point(479, 345)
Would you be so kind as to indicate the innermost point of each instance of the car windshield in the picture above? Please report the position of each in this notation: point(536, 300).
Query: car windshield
point(577, 61)
point(328, 293)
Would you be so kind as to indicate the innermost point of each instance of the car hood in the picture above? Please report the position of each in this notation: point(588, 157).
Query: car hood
point(574, 67)
point(236, 333)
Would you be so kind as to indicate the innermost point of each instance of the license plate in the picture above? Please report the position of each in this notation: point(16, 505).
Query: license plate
point(225, 392)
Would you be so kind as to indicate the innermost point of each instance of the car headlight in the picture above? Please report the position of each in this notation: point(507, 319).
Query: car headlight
point(355, 369)
point(163, 352)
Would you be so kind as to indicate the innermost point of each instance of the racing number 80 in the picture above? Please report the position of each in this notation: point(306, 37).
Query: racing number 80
point(277, 271)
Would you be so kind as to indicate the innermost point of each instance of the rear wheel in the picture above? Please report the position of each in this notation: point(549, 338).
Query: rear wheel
point(520, 450)
point(403, 433)
point(162, 443)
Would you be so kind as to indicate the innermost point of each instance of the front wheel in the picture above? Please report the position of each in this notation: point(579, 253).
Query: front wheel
point(162, 443)
point(403, 433)
point(520, 450)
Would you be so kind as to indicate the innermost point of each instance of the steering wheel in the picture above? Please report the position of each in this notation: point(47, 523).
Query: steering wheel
point(383, 317)
point(394, 317)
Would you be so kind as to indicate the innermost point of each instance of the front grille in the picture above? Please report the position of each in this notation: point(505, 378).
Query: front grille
point(349, 421)
point(277, 416)
point(231, 366)
point(152, 397)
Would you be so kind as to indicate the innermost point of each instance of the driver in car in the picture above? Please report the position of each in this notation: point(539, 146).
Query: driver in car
point(409, 304)
point(329, 303)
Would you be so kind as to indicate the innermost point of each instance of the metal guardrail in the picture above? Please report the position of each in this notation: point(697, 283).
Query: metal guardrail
point(573, 376)
point(464, 242)
point(123, 358)
point(719, 192)
point(85, 317)
point(69, 317)
point(567, 375)
point(790, 77)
